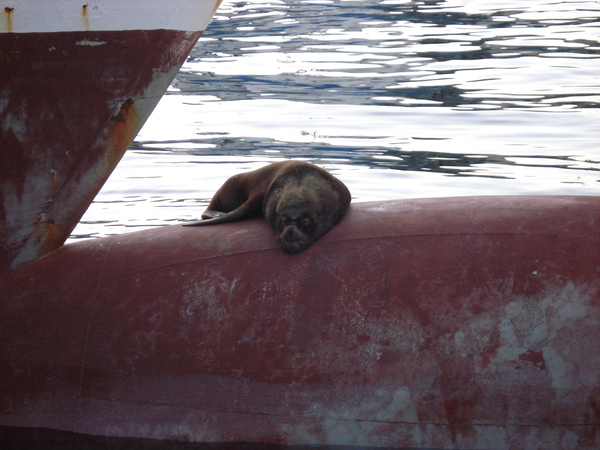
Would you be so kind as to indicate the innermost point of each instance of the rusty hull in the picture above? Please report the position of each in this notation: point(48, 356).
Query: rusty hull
point(70, 105)
point(446, 323)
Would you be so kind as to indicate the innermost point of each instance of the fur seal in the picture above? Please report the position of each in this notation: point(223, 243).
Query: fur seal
point(300, 201)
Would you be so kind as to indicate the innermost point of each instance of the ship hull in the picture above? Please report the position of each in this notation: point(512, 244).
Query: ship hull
point(75, 89)
point(434, 323)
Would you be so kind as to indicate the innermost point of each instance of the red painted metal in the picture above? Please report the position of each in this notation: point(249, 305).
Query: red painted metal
point(70, 105)
point(460, 322)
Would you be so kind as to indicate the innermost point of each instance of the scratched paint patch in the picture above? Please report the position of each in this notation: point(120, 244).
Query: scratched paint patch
point(533, 348)
point(90, 43)
point(341, 426)
point(527, 352)
point(204, 300)
point(540, 333)
point(523, 330)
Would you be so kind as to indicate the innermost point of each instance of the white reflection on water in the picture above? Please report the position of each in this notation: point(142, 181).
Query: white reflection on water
point(399, 99)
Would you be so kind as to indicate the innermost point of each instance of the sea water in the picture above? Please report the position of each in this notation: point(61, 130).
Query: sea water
point(399, 99)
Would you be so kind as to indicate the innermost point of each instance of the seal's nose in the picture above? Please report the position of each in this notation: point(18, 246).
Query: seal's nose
point(292, 233)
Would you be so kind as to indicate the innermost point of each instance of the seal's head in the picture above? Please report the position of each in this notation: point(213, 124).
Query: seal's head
point(302, 204)
point(296, 228)
point(301, 214)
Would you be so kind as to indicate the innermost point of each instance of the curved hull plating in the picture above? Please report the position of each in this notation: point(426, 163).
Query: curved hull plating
point(465, 322)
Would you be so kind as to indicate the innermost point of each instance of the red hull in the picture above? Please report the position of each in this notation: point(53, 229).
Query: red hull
point(467, 322)
point(70, 105)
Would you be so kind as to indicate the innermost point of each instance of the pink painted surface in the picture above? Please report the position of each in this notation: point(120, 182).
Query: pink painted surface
point(459, 322)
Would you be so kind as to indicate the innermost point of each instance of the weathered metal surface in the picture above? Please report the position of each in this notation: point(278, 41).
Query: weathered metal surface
point(72, 98)
point(446, 323)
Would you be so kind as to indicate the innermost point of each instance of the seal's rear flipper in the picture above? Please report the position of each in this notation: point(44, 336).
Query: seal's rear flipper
point(216, 217)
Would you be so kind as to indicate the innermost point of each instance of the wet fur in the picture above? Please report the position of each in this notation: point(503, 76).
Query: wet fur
point(300, 201)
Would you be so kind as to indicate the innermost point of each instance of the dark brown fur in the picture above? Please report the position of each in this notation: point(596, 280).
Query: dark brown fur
point(300, 201)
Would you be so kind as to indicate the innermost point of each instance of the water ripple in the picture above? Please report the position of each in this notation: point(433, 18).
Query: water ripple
point(399, 98)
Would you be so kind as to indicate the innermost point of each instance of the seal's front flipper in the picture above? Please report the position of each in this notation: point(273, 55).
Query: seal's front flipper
point(207, 218)
point(209, 214)
point(201, 222)
point(240, 213)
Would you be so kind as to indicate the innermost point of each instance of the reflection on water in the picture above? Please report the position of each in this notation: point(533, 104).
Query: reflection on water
point(442, 53)
point(398, 98)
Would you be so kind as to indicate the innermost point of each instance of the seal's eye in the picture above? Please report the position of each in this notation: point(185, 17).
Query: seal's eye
point(305, 222)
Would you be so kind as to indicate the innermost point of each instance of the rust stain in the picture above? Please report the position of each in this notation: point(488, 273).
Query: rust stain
point(124, 127)
point(123, 113)
point(7, 13)
point(11, 58)
point(49, 236)
point(84, 16)
point(53, 180)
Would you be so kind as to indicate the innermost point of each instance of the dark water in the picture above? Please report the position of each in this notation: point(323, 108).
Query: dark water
point(397, 98)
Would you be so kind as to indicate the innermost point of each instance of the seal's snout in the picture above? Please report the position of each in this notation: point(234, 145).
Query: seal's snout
point(293, 240)
point(293, 234)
